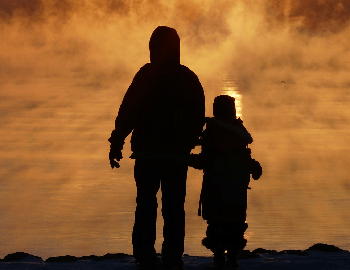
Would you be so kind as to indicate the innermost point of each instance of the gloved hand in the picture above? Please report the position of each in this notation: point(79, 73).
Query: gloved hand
point(115, 154)
point(196, 161)
point(256, 169)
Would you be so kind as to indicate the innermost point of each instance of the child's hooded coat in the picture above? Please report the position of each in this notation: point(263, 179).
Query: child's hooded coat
point(226, 170)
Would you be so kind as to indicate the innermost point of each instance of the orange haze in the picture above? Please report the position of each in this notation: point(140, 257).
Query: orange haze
point(65, 66)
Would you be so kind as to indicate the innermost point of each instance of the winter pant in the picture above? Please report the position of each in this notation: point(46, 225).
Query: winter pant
point(225, 236)
point(171, 176)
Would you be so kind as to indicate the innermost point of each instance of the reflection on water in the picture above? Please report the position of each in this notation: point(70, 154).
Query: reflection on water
point(231, 87)
point(59, 195)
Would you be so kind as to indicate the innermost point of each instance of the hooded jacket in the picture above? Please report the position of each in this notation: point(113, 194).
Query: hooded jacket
point(164, 105)
point(226, 169)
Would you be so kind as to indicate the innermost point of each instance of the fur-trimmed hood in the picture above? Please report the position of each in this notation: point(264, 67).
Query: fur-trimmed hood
point(220, 136)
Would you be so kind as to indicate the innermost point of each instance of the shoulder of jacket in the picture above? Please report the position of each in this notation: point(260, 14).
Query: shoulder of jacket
point(213, 123)
point(143, 72)
point(145, 67)
point(187, 70)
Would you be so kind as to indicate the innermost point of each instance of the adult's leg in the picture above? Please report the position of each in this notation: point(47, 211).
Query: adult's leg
point(147, 179)
point(173, 185)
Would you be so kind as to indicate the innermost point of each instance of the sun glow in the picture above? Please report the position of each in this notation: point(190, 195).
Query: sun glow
point(231, 87)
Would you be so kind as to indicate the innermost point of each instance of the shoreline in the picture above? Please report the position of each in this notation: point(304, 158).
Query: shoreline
point(318, 256)
point(245, 254)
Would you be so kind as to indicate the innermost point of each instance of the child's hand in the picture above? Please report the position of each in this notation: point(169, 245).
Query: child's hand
point(196, 161)
point(256, 169)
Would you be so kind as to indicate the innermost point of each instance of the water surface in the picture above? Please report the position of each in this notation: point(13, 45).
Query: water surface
point(59, 195)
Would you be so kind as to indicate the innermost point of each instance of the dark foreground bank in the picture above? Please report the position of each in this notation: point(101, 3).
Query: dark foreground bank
point(318, 256)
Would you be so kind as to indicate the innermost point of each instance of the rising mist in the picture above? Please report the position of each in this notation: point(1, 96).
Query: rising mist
point(65, 66)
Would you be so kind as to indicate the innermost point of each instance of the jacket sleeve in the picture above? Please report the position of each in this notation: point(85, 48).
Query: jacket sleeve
point(198, 111)
point(129, 109)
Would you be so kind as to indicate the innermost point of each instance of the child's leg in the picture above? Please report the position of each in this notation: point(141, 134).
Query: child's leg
point(215, 237)
point(215, 242)
point(237, 242)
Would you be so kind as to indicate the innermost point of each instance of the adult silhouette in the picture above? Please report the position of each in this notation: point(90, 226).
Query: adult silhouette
point(164, 109)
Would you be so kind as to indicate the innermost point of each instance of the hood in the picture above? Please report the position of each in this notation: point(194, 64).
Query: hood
point(235, 130)
point(164, 46)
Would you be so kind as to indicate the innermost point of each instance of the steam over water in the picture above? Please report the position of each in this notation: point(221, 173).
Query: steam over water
point(231, 88)
point(65, 66)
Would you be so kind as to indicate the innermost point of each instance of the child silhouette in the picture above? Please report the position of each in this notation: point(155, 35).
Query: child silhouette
point(227, 165)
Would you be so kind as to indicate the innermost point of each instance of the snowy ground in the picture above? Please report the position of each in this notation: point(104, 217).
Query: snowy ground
point(319, 256)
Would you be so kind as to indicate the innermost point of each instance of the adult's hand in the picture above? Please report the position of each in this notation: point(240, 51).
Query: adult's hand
point(114, 155)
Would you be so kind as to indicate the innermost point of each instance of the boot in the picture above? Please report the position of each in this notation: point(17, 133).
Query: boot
point(219, 260)
point(232, 259)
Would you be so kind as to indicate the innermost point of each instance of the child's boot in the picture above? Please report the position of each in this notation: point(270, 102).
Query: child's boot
point(219, 260)
point(232, 259)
